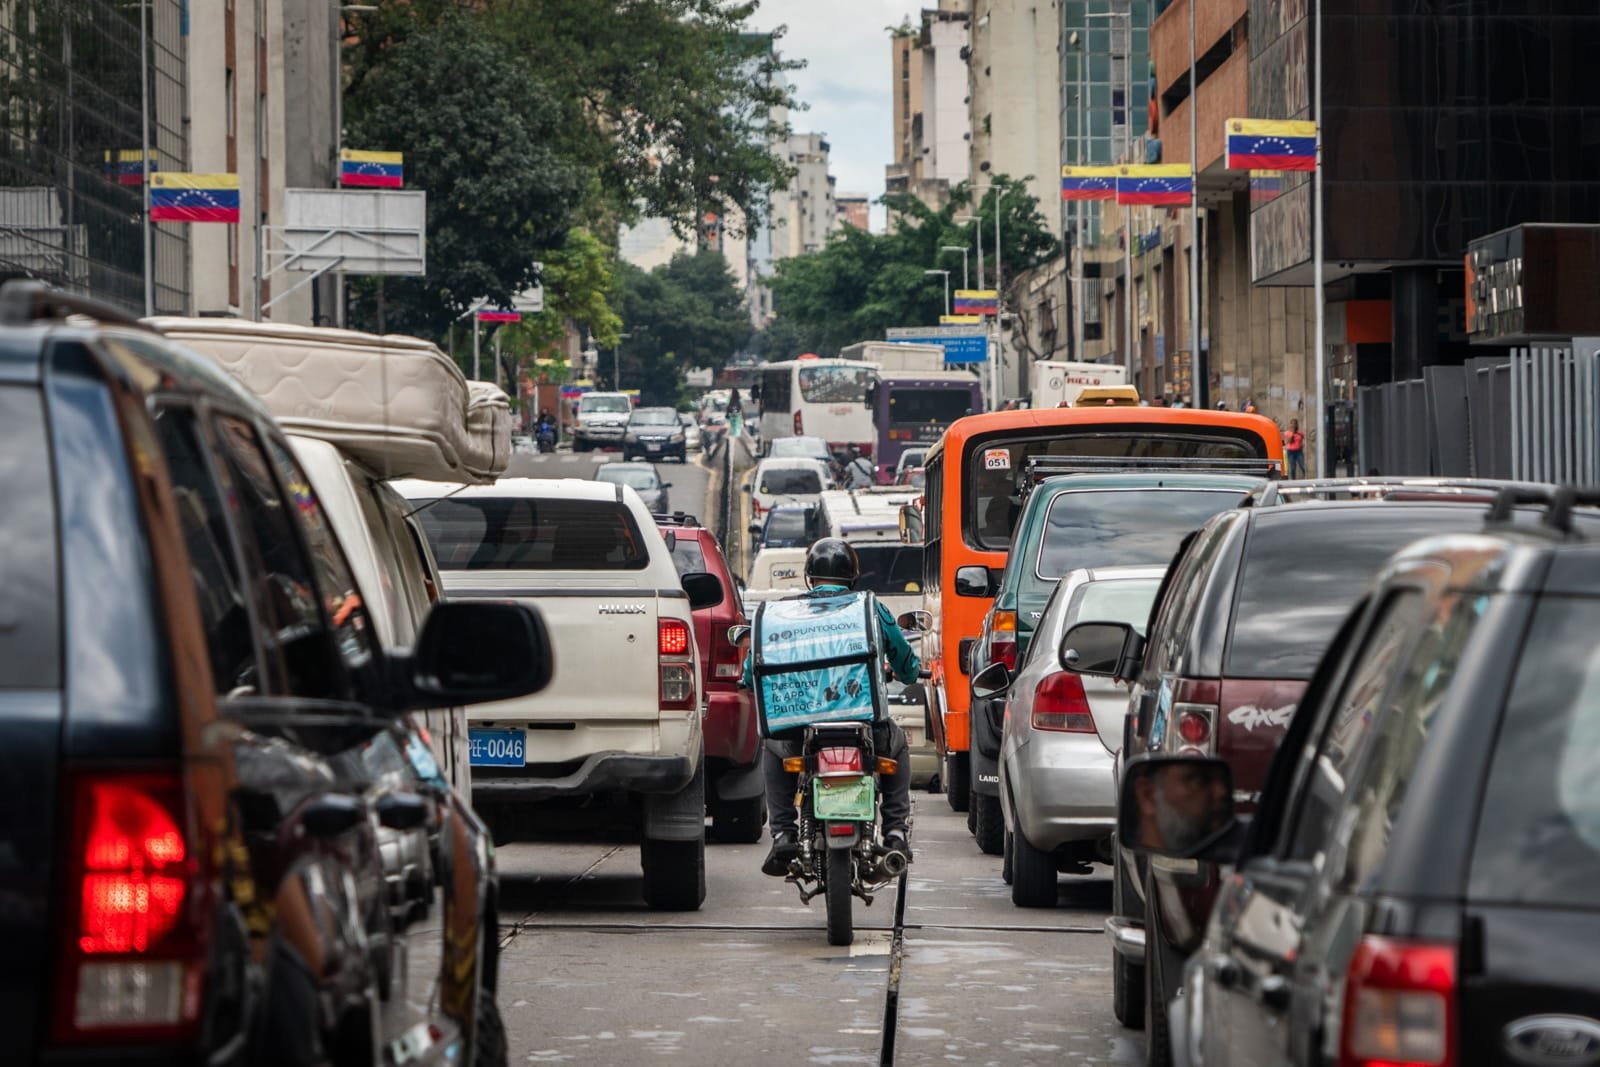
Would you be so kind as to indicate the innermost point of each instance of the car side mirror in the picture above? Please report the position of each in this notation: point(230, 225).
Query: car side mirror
point(705, 590)
point(666, 485)
point(916, 622)
point(737, 635)
point(472, 652)
point(747, 487)
point(973, 581)
point(991, 682)
point(1178, 806)
point(1102, 649)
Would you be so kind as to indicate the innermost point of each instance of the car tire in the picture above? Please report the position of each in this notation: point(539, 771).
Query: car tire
point(674, 873)
point(1033, 874)
point(738, 821)
point(1008, 859)
point(957, 780)
point(989, 824)
point(489, 1048)
point(1157, 1035)
point(1127, 977)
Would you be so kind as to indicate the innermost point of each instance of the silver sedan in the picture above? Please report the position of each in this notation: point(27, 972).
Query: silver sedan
point(1062, 731)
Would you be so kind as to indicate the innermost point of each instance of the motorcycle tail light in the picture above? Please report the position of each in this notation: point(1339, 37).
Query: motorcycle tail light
point(839, 760)
point(841, 829)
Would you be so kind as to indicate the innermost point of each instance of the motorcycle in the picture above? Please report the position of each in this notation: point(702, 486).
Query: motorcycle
point(842, 851)
point(544, 436)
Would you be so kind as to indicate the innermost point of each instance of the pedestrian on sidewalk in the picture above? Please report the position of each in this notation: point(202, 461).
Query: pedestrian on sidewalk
point(1294, 446)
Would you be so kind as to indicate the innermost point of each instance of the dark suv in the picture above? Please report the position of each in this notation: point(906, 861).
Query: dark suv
point(734, 790)
point(1418, 881)
point(189, 689)
point(1245, 610)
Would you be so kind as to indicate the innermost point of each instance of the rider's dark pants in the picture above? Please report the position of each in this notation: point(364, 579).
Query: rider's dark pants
point(888, 739)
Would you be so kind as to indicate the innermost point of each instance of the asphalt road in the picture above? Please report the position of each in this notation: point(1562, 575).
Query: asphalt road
point(589, 975)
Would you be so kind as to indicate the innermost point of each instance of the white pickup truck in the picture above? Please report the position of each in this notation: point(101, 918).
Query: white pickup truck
point(617, 733)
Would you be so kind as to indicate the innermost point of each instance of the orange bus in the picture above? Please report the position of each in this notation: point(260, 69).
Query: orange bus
point(974, 478)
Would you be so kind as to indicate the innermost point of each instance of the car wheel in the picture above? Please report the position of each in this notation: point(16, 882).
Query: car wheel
point(957, 780)
point(1007, 870)
point(738, 821)
point(674, 873)
point(1157, 1037)
point(989, 824)
point(1127, 977)
point(1033, 874)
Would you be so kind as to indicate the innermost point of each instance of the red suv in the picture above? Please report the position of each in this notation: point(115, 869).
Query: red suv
point(735, 796)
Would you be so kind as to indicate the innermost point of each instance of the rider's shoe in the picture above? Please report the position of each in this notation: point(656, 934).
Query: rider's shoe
point(785, 848)
point(896, 841)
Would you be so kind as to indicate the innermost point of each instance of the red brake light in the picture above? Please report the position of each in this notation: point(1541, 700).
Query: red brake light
point(674, 638)
point(1061, 704)
point(1194, 727)
point(132, 883)
point(1003, 639)
point(799, 425)
point(1399, 1005)
point(839, 760)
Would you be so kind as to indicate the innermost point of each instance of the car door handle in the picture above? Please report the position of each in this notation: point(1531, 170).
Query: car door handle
point(1225, 972)
point(1273, 992)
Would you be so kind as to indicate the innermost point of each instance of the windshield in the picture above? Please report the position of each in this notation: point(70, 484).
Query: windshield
point(789, 481)
point(654, 417)
point(996, 470)
point(1123, 527)
point(941, 405)
point(606, 405)
point(518, 533)
point(890, 569)
point(633, 477)
point(834, 384)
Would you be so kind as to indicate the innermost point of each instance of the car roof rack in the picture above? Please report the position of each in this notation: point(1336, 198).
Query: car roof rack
point(1391, 487)
point(23, 301)
point(676, 518)
point(1039, 467)
point(1559, 500)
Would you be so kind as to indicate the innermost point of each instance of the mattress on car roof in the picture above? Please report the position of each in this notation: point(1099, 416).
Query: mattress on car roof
point(395, 404)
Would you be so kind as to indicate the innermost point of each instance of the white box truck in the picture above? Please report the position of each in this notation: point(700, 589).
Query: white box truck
point(1055, 382)
point(895, 355)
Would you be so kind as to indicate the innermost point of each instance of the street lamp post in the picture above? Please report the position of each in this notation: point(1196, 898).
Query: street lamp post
point(338, 11)
point(1127, 145)
point(978, 226)
point(965, 284)
point(999, 290)
point(946, 275)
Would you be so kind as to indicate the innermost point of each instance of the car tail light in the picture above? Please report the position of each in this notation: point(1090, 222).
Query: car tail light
point(799, 425)
point(727, 660)
point(1399, 1005)
point(1003, 639)
point(1061, 704)
point(132, 958)
point(675, 652)
point(865, 448)
point(1194, 726)
point(840, 759)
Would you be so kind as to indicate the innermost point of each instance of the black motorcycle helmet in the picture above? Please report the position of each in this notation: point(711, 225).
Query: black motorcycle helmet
point(831, 561)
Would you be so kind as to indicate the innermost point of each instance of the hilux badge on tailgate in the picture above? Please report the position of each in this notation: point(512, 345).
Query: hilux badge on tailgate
point(621, 609)
point(1553, 1040)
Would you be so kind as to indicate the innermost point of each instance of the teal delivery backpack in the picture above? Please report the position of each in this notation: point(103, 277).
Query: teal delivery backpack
point(817, 659)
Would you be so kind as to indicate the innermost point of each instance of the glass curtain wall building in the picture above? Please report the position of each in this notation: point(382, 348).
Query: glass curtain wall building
point(1105, 89)
point(71, 192)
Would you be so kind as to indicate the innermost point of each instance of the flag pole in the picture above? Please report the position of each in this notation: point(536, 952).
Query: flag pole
point(144, 153)
point(1321, 360)
point(256, 209)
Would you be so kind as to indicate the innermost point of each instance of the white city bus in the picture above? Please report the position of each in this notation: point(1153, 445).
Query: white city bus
point(824, 398)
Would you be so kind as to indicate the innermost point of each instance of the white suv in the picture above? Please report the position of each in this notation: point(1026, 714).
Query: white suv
point(618, 729)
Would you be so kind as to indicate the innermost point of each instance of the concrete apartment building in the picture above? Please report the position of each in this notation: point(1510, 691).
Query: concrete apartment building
point(1013, 81)
point(853, 209)
point(931, 124)
point(807, 212)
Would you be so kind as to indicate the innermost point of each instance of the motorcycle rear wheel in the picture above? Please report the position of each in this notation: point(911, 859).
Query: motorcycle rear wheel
point(836, 875)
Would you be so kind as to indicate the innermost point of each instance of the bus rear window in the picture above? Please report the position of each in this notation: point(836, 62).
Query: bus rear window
point(834, 384)
point(925, 405)
point(996, 470)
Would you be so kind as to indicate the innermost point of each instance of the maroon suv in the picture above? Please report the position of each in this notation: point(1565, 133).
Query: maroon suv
point(734, 792)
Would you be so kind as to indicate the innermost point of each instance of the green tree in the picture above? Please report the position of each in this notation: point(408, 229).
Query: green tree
point(477, 130)
point(683, 314)
point(861, 284)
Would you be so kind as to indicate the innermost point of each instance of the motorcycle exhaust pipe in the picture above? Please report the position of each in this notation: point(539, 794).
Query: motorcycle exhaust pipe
point(889, 864)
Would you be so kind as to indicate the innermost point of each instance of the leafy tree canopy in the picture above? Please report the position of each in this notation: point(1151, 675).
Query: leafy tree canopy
point(861, 284)
point(685, 313)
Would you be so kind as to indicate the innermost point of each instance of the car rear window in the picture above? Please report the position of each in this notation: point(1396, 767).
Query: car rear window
point(786, 481)
point(688, 556)
point(1123, 527)
point(30, 608)
point(633, 477)
point(521, 534)
point(1119, 600)
point(788, 524)
point(1301, 578)
point(1539, 833)
point(890, 570)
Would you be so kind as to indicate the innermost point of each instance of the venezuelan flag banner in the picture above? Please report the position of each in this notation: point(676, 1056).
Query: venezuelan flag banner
point(1088, 183)
point(194, 198)
point(1265, 185)
point(977, 302)
point(125, 166)
point(499, 315)
point(1160, 184)
point(1271, 144)
point(384, 170)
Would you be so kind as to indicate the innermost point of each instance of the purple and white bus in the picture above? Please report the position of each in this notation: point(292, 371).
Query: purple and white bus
point(910, 409)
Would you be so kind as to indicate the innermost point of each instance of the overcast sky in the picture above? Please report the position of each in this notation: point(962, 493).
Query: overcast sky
point(845, 82)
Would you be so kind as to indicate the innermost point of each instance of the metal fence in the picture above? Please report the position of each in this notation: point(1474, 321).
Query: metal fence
point(1527, 413)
